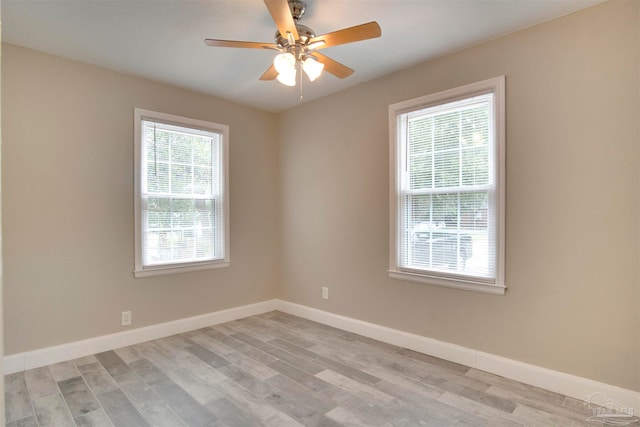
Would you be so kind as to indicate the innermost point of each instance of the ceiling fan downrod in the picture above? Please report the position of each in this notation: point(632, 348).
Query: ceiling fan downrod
point(297, 9)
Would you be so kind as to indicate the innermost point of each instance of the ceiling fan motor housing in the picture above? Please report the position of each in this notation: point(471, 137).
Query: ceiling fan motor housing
point(305, 33)
point(297, 9)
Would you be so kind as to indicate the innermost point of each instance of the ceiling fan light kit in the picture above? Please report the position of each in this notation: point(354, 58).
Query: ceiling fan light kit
point(298, 44)
point(286, 63)
point(312, 68)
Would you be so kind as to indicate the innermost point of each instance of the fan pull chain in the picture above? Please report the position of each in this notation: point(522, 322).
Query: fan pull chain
point(300, 73)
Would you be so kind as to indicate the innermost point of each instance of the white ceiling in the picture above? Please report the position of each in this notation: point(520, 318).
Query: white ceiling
point(163, 39)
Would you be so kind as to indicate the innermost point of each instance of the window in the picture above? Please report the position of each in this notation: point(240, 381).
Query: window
point(447, 188)
point(181, 194)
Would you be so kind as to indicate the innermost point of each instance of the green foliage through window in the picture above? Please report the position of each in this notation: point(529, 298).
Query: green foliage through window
point(181, 182)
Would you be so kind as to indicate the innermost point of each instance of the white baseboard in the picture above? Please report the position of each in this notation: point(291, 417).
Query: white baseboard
point(60, 353)
point(559, 382)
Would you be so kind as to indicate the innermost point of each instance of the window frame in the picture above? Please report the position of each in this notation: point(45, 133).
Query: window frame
point(494, 285)
point(141, 270)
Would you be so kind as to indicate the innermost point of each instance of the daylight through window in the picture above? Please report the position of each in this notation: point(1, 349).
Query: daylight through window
point(181, 202)
point(447, 187)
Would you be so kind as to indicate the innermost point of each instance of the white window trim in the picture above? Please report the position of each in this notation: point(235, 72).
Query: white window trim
point(145, 271)
point(497, 286)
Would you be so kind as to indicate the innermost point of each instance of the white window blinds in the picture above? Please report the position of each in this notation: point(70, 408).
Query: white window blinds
point(446, 203)
point(446, 188)
point(182, 195)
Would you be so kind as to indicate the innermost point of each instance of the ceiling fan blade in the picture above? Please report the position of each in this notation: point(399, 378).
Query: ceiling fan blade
point(334, 67)
point(270, 74)
point(281, 14)
point(370, 30)
point(237, 43)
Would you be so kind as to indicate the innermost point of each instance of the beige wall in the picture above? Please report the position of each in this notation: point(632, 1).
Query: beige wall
point(572, 200)
point(68, 203)
point(2, 417)
point(315, 178)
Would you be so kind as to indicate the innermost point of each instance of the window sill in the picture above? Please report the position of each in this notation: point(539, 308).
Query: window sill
point(176, 269)
point(449, 283)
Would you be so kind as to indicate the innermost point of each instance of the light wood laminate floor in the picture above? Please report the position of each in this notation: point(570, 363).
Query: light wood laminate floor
point(275, 370)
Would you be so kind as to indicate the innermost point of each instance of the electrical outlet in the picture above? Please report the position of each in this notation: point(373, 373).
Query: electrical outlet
point(325, 292)
point(126, 318)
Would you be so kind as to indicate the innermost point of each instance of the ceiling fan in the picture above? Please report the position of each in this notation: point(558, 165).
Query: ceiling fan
point(298, 44)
